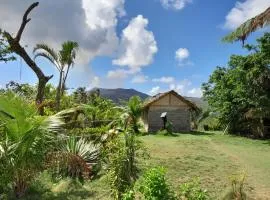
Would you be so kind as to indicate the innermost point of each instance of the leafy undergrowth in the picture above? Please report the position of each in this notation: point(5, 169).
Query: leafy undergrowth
point(214, 158)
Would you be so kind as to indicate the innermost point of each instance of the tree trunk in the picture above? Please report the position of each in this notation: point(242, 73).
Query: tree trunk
point(59, 91)
point(14, 43)
point(40, 94)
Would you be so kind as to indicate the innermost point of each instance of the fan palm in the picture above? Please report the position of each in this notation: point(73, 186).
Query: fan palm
point(251, 25)
point(63, 60)
point(25, 138)
point(75, 158)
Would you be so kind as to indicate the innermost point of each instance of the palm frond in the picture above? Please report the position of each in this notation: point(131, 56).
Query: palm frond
point(52, 123)
point(43, 50)
point(68, 52)
point(88, 151)
point(251, 25)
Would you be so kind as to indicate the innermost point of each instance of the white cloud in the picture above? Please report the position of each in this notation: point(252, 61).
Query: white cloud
point(155, 90)
point(122, 73)
point(117, 74)
point(139, 79)
point(243, 11)
point(137, 46)
point(91, 23)
point(195, 92)
point(177, 87)
point(181, 54)
point(181, 86)
point(175, 4)
point(95, 82)
point(164, 79)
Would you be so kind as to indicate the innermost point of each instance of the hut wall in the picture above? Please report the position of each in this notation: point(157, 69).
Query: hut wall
point(177, 112)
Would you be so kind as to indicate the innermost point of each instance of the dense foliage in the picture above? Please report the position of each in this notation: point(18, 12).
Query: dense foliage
point(5, 52)
point(155, 186)
point(24, 142)
point(240, 93)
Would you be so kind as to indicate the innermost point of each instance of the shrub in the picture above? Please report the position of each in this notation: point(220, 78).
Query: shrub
point(129, 195)
point(169, 128)
point(122, 155)
point(192, 191)
point(93, 134)
point(154, 185)
point(237, 188)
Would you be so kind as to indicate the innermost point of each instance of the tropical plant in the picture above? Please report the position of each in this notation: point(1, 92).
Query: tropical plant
point(237, 191)
point(25, 139)
point(192, 190)
point(251, 25)
point(132, 112)
point(75, 158)
point(80, 95)
point(24, 89)
point(63, 60)
point(154, 185)
point(122, 153)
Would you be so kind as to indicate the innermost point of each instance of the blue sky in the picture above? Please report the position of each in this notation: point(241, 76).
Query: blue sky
point(149, 45)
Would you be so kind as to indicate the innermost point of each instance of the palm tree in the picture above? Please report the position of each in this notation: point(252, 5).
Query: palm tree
point(132, 113)
point(251, 25)
point(63, 60)
point(25, 140)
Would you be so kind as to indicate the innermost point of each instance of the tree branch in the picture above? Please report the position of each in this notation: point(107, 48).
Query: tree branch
point(25, 20)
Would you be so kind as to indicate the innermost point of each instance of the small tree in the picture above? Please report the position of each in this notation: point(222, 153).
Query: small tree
point(62, 60)
point(134, 111)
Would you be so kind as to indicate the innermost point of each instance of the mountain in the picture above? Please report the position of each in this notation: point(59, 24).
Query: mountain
point(120, 94)
point(200, 102)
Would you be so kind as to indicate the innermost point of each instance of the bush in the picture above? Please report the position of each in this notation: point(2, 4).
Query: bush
point(169, 127)
point(129, 195)
point(154, 185)
point(91, 134)
point(122, 156)
point(192, 191)
point(237, 188)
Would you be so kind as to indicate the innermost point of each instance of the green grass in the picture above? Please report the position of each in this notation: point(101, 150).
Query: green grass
point(211, 157)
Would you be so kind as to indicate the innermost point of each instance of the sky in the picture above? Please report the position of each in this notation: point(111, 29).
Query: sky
point(148, 45)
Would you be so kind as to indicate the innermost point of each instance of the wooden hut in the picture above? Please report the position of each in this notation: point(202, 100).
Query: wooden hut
point(176, 108)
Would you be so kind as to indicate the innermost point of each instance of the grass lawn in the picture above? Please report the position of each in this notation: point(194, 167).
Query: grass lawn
point(212, 157)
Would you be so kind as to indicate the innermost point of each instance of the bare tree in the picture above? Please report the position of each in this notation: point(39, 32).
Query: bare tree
point(15, 46)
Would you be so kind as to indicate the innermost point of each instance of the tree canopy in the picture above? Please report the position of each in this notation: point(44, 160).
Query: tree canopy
point(240, 93)
point(5, 52)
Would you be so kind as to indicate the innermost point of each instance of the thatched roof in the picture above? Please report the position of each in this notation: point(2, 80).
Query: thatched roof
point(251, 25)
point(157, 97)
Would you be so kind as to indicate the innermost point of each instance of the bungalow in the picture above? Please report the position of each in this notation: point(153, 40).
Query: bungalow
point(168, 106)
